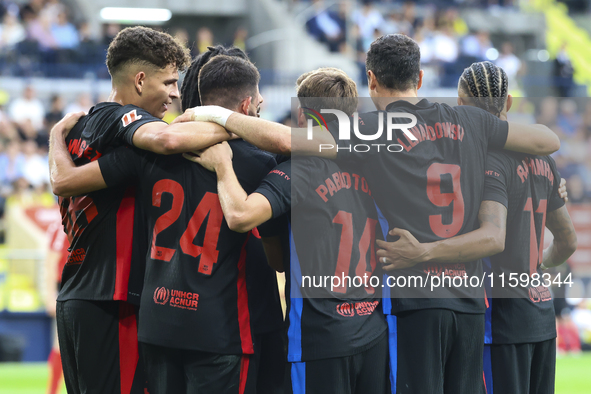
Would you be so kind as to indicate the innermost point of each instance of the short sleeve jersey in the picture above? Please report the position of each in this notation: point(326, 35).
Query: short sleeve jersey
point(104, 227)
point(332, 234)
point(431, 187)
point(195, 290)
point(528, 187)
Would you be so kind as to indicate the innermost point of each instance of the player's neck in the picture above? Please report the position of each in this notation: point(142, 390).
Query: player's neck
point(384, 98)
point(122, 96)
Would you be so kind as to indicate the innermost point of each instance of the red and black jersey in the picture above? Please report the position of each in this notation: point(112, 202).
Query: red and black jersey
point(528, 186)
point(107, 238)
point(431, 187)
point(333, 228)
point(195, 289)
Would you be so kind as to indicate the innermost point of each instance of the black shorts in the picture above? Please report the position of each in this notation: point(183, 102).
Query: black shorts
point(524, 368)
point(436, 351)
point(365, 372)
point(171, 370)
point(266, 371)
point(99, 347)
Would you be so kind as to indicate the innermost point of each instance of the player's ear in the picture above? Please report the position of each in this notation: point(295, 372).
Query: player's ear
point(420, 83)
point(140, 80)
point(372, 82)
point(460, 101)
point(244, 105)
point(509, 102)
point(301, 118)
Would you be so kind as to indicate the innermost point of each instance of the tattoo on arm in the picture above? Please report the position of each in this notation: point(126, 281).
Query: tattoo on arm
point(494, 213)
point(561, 226)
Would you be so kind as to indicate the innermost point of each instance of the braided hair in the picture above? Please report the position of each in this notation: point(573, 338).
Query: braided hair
point(190, 89)
point(487, 84)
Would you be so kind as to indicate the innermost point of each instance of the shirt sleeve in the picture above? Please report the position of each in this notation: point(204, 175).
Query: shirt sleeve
point(131, 118)
point(122, 165)
point(273, 227)
point(554, 202)
point(276, 187)
point(496, 179)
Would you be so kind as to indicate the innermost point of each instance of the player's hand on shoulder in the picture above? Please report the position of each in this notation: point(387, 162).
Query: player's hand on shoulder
point(67, 123)
point(205, 113)
point(406, 252)
point(562, 190)
point(211, 157)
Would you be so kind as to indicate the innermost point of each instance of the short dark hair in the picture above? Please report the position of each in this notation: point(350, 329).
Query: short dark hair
point(142, 45)
point(395, 60)
point(327, 88)
point(190, 88)
point(486, 86)
point(227, 80)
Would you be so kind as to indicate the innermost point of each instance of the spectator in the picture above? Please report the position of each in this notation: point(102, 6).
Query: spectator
point(55, 113)
point(7, 130)
point(52, 9)
point(395, 24)
point(12, 163)
point(11, 32)
point(65, 34)
point(110, 30)
point(83, 103)
point(240, 36)
point(39, 30)
point(476, 45)
point(204, 40)
point(568, 120)
point(326, 26)
point(563, 73)
point(27, 112)
point(181, 35)
point(368, 19)
point(510, 63)
point(35, 167)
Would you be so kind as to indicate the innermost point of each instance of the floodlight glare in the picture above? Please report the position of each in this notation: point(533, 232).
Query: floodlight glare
point(122, 14)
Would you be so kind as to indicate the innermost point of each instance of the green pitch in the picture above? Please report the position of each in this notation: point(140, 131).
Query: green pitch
point(573, 376)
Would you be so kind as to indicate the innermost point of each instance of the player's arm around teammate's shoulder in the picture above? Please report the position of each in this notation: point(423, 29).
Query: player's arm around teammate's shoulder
point(243, 212)
point(535, 139)
point(178, 137)
point(488, 240)
point(269, 136)
point(67, 179)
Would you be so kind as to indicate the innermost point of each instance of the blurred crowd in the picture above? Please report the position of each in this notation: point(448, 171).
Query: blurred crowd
point(49, 38)
point(445, 40)
point(25, 122)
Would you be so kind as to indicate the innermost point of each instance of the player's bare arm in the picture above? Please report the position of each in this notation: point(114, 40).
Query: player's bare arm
point(243, 212)
point(177, 137)
point(269, 136)
point(534, 139)
point(66, 179)
point(564, 243)
point(488, 240)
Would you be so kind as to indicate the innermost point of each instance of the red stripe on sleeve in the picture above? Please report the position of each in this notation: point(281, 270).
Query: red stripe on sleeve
point(243, 312)
point(124, 234)
point(128, 346)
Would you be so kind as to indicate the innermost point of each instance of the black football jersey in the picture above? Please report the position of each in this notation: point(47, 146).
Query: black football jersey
point(105, 229)
point(528, 186)
point(195, 290)
point(333, 228)
point(431, 187)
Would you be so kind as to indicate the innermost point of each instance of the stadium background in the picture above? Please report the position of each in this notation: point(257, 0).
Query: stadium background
point(52, 56)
